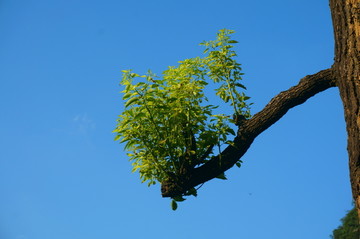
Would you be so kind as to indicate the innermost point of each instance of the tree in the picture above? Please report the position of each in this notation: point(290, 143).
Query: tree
point(349, 228)
point(344, 74)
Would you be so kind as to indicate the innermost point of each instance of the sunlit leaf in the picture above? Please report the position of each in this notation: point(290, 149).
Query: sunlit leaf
point(131, 101)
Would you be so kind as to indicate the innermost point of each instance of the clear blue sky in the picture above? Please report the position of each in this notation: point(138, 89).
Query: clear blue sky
point(63, 176)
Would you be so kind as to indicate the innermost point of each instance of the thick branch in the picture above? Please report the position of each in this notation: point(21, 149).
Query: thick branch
point(249, 130)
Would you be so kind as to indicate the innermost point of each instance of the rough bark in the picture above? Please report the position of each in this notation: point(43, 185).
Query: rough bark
point(346, 22)
point(248, 131)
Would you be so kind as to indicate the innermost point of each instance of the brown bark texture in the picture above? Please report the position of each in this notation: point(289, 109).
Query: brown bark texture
point(346, 23)
point(345, 74)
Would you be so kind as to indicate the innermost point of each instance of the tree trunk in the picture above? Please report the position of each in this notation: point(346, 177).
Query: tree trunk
point(346, 68)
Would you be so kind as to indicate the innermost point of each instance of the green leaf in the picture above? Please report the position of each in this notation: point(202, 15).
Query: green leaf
point(140, 116)
point(240, 85)
point(127, 95)
point(131, 101)
point(232, 41)
point(179, 199)
point(134, 75)
point(246, 98)
point(230, 131)
point(174, 205)
point(221, 176)
point(130, 144)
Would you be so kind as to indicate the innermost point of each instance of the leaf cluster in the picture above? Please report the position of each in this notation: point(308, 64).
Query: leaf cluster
point(349, 228)
point(227, 71)
point(167, 125)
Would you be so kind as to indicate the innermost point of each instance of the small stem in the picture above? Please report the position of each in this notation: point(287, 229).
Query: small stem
point(231, 95)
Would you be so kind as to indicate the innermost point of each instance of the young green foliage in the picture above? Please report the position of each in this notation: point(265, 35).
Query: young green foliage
point(350, 227)
point(167, 125)
point(223, 68)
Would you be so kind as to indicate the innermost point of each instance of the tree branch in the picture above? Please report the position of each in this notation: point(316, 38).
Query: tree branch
point(248, 131)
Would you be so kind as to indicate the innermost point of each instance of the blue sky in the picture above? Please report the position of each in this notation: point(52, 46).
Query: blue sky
point(63, 176)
